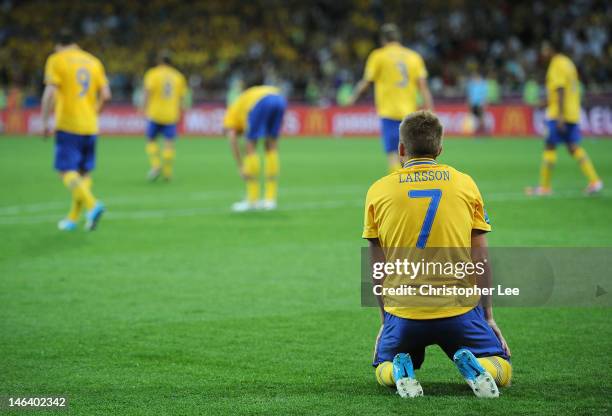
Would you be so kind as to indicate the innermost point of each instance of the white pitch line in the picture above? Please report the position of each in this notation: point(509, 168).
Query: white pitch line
point(126, 200)
point(312, 205)
point(185, 212)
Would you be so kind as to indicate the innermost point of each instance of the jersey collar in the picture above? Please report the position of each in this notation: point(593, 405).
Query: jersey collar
point(419, 161)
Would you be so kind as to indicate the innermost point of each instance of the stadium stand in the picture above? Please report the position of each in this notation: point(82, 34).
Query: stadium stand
point(311, 49)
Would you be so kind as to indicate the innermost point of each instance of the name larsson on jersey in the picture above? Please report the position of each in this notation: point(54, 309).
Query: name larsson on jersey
point(425, 176)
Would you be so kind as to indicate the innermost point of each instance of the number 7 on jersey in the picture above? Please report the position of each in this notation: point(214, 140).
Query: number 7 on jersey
point(435, 195)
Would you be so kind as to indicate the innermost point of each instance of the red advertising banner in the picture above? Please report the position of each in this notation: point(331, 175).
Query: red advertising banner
point(207, 120)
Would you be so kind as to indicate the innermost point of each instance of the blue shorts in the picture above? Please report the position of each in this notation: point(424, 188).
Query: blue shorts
point(411, 336)
point(266, 118)
point(571, 134)
point(74, 151)
point(153, 129)
point(389, 130)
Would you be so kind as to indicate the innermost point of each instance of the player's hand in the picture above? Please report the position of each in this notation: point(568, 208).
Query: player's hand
point(243, 175)
point(499, 336)
point(47, 131)
point(560, 125)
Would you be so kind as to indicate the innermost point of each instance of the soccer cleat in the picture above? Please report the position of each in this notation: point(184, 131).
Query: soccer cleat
point(66, 225)
point(244, 206)
point(481, 382)
point(538, 191)
point(267, 204)
point(93, 216)
point(594, 187)
point(153, 175)
point(403, 374)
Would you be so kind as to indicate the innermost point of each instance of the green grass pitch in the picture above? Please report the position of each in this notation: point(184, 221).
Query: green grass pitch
point(177, 306)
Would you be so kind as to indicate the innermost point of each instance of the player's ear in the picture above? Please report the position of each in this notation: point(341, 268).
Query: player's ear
point(401, 149)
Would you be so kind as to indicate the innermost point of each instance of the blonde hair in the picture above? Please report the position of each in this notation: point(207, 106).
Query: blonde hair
point(421, 134)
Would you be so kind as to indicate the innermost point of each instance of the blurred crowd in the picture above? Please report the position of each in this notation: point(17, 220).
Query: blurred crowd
point(314, 50)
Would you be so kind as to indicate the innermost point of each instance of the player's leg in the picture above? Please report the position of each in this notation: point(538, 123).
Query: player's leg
point(76, 207)
point(272, 170)
point(476, 118)
point(399, 350)
point(251, 166)
point(169, 152)
point(95, 208)
point(272, 162)
point(549, 160)
point(152, 150)
point(69, 157)
point(476, 351)
point(580, 155)
point(480, 128)
point(390, 142)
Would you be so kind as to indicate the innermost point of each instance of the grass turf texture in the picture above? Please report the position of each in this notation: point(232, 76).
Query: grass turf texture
point(176, 306)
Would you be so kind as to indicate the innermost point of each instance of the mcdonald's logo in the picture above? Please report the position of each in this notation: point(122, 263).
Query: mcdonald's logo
point(315, 122)
point(514, 121)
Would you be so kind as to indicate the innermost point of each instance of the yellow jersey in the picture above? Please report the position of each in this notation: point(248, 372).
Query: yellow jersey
point(562, 73)
point(395, 72)
point(79, 77)
point(165, 87)
point(425, 205)
point(237, 114)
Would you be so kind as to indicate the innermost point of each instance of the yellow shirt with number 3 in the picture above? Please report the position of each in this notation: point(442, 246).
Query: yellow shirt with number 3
point(395, 72)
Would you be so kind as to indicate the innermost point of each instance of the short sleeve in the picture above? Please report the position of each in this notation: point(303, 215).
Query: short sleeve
point(556, 76)
point(102, 80)
point(370, 228)
point(371, 68)
point(148, 80)
point(421, 70)
point(52, 73)
point(230, 121)
point(183, 88)
point(480, 217)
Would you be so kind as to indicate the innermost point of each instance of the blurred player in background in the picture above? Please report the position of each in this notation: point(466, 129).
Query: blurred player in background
point(164, 97)
point(258, 113)
point(477, 98)
point(397, 73)
point(562, 120)
point(426, 204)
point(77, 88)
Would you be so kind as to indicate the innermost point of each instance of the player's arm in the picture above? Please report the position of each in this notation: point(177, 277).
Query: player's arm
point(104, 91)
point(48, 103)
point(104, 96)
point(377, 256)
point(361, 87)
point(480, 254)
point(426, 94)
point(145, 100)
point(560, 98)
point(369, 75)
point(184, 100)
point(232, 135)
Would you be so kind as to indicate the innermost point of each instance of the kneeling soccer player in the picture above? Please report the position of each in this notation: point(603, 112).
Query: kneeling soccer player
point(164, 92)
point(426, 204)
point(258, 112)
